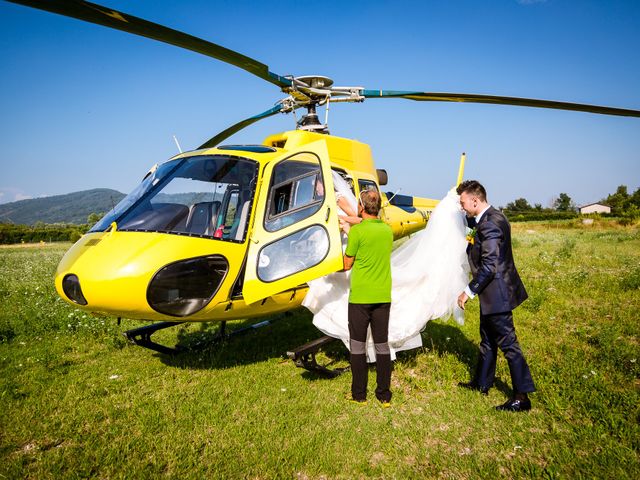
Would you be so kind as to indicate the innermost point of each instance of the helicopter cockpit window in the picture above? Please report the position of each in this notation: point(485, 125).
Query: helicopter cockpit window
point(296, 193)
point(208, 196)
point(127, 202)
point(365, 185)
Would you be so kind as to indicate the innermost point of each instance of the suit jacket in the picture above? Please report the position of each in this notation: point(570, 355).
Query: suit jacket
point(495, 278)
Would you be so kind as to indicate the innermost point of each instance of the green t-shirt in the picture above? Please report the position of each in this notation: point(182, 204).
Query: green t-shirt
point(370, 243)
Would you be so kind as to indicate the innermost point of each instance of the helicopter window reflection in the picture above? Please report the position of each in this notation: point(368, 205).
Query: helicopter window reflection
point(296, 193)
point(366, 185)
point(207, 196)
point(148, 182)
point(293, 253)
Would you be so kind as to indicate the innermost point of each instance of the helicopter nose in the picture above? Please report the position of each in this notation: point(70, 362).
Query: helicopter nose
point(148, 276)
point(185, 287)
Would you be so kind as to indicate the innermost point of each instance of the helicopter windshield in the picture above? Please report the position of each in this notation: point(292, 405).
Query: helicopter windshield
point(205, 196)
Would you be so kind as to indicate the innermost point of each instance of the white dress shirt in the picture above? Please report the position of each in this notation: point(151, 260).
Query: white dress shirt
point(467, 290)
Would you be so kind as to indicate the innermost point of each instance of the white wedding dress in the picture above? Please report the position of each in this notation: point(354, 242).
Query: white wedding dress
point(429, 271)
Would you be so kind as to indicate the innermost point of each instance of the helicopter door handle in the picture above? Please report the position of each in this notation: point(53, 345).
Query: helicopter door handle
point(326, 219)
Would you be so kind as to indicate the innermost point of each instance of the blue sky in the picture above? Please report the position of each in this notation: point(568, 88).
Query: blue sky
point(84, 106)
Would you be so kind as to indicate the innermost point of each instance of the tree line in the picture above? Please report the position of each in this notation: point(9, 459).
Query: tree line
point(41, 232)
point(623, 204)
point(45, 232)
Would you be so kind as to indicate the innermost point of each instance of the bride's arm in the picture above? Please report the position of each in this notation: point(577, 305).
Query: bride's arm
point(351, 217)
point(344, 205)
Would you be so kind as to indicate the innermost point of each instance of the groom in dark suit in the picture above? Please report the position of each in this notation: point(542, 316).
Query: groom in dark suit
point(497, 283)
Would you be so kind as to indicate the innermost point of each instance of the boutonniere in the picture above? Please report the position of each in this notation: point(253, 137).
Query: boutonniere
point(471, 235)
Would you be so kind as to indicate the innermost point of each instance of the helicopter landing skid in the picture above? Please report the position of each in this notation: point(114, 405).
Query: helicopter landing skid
point(141, 336)
point(305, 357)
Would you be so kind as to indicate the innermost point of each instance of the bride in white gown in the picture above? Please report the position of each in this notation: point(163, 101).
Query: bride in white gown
point(428, 271)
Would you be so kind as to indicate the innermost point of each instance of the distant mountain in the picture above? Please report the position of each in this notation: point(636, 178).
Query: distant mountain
point(70, 208)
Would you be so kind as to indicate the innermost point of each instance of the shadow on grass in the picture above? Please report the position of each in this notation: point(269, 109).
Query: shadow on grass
point(443, 339)
point(202, 349)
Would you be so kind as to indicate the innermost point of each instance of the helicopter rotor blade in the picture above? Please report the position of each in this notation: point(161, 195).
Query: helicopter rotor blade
point(213, 141)
point(93, 13)
point(498, 100)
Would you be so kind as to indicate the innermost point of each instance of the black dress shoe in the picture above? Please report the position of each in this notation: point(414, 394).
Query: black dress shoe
point(514, 405)
point(473, 386)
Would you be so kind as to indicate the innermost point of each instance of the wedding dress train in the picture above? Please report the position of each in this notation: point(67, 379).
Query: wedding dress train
point(429, 271)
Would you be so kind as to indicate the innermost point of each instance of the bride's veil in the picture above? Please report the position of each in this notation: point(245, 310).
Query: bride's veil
point(343, 189)
point(431, 269)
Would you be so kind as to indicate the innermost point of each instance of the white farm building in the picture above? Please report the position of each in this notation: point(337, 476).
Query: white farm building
point(595, 208)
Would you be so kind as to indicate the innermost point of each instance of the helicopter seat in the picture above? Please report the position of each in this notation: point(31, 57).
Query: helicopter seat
point(243, 220)
point(201, 218)
point(237, 231)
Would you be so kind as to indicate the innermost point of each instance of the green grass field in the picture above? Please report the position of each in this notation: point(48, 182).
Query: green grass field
point(77, 401)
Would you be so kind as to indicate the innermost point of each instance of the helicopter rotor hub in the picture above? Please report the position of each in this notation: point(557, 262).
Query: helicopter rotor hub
point(312, 90)
point(319, 89)
point(315, 81)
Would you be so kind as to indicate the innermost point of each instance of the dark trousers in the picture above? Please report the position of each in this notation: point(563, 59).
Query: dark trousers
point(498, 331)
point(360, 317)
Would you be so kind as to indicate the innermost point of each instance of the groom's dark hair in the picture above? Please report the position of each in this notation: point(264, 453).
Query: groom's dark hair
point(472, 187)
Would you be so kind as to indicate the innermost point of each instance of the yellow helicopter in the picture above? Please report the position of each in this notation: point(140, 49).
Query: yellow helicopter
point(228, 232)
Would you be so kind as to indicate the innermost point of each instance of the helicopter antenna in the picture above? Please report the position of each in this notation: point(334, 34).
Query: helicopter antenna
point(463, 158)
point(177, 144)
point(392, 197)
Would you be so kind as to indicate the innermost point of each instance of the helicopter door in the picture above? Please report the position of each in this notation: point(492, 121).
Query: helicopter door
point(296, 235)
